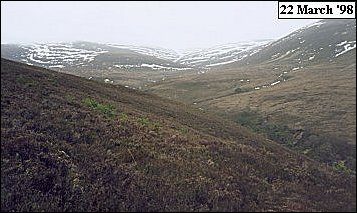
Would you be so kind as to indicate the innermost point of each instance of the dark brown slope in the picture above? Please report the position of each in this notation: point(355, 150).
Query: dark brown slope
point(70, 144)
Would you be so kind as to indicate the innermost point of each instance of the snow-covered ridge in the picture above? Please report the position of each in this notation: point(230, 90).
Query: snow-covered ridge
point(315, 24)
point(58, 55)
point(221, 54)
point(300, 47)
point(64, 55)
point(157, 52)
point(202, 58)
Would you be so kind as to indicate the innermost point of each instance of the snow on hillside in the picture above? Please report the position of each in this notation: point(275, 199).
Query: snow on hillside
point(221, 54)
point(150, 66)
point(303, 46)
point(157, 52)
point(346, 46)
point(58, 55)
point(203, 58)
point(316, 42)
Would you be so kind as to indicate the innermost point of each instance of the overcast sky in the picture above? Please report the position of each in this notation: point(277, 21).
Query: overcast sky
point(175, 25)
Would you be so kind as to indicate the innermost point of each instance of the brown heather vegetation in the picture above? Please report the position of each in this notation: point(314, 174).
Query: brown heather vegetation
point(71, 144)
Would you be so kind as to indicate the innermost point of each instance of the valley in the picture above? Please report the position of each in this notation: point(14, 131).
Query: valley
point(73, 144)
point(310, 91)
point(264, 125)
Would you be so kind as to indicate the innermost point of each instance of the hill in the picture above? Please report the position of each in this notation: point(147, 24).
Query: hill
point(322, 41)
point(72, 144)
point(104, 62)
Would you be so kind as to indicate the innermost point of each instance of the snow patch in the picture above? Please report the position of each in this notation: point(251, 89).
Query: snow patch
point(347, 47)
point(226, 62)
point(277, 82)
point(108, 81)
point(341, 44)
point(56, 66)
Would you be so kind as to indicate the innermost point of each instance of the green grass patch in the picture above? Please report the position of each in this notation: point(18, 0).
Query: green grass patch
point(256, 122)
point(106, 109)
point(123, 116)
point(144, 121)
point(341, 167)
point(242, 90)
point(25, 82)
point(322, 148)
point(152, 125)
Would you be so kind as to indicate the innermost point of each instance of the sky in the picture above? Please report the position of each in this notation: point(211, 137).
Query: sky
point(173, 25)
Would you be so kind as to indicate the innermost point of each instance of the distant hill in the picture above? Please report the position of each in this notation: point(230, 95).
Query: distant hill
point(84, 55)
point(79, 55)
point(134, 66)
point(323, 41)
point(72, 144)
point(221, 54)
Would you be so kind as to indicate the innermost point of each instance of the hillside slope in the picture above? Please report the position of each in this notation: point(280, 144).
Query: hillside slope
point(221, 54)
point(304, 97)
point(71, 144)
point(323, 41)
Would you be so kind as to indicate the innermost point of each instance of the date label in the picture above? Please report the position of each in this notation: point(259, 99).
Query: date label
point(317, 10)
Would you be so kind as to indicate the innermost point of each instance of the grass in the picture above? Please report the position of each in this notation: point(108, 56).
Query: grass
point(25, 82)
point(322, 148)
point(341, 167)
point(277, 132)
point(106, 109)
point(242, 90)
point(123, 116)
point(150, 124)
point(144, 121)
